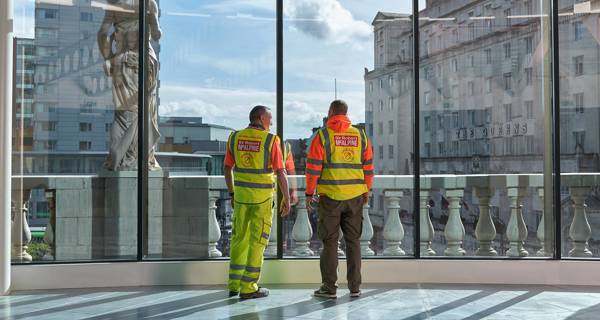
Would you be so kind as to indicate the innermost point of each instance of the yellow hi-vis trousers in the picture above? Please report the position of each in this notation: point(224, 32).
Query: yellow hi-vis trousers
point(250, 236)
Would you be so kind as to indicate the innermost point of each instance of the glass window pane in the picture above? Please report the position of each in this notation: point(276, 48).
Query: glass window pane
point(483, 188)
point(579, 110)
point(217, 61)
point(360, 52)
point(76, 76)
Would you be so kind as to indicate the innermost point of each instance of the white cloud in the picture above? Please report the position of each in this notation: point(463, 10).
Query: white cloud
point(327, 20)
point(236, 5)
point(230, 107)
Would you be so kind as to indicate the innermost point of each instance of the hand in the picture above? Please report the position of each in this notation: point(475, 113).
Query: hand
point(309, 203)
point(365, 198)
point(285, 207)
point(294, 198)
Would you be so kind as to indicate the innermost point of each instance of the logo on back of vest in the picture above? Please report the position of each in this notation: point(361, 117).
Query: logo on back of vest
point(346, 141)
point(248, 145)
point(247, 160)
point(348, 155)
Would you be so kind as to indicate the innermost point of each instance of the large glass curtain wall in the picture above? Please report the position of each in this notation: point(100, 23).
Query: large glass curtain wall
point(491, 105)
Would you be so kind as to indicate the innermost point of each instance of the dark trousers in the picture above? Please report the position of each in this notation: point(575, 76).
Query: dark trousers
point(334, 214)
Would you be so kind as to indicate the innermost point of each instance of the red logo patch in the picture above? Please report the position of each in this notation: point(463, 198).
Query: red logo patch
point(346, 141)
point(248, 145)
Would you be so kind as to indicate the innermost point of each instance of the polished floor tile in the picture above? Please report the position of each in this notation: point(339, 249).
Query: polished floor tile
point(407, 302)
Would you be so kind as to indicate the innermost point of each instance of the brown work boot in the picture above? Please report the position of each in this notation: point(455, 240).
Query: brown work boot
point(260, 293)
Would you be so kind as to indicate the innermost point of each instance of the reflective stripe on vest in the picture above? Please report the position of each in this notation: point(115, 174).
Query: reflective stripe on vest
point(253, 172)
point(342, 177)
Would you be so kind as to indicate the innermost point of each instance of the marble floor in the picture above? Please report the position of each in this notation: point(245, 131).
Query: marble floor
point(295, 302)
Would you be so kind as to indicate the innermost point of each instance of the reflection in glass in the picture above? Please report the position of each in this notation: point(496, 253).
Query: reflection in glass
point(579, 112)
point(484, 70)
point(352, 51)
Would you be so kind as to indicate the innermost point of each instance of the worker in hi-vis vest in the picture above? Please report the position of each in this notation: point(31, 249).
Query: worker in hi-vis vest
point(252, 161)
point(339, 169)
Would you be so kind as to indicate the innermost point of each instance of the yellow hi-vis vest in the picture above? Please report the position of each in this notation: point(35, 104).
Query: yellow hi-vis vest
point(342, 177)
point(286, 151)
point(253, 172)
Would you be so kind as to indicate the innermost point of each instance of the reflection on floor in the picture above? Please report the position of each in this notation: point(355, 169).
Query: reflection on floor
point(296, 302)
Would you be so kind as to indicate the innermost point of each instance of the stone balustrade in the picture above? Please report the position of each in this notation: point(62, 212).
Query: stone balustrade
point(95, 218)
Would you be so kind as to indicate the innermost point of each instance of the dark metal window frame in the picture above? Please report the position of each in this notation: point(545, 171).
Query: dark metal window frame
point(142, 179)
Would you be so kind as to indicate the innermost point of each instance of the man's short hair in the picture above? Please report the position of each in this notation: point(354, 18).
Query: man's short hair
point(257, 112)
point(338, 107)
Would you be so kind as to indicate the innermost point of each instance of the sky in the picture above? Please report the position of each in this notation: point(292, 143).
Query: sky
point(218, 57)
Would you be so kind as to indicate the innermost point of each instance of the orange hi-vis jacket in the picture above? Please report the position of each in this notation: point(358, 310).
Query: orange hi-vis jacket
point(340, 161)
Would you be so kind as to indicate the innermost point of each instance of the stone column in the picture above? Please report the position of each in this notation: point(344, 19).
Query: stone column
point(580, 230)
point(393, 232)
point(302, 230)
point(485, 231)
point(367, 233)
point(516, 230)
point(541, 235)
point(427, 231)
point(455, 230)
point(214, 229)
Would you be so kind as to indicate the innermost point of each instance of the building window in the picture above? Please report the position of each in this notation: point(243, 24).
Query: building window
point(578, 28)
point(107, 127)
point(169, 140)
point(85, 145)
point(578, 65)
point(507, 16)
point(507, 115)
point(455, 91)
point(507, 81)
point(454, 65)
point(391, 103)
point(380, 152)
point(488, 85)
point(472, 62)
point(390, 152)
point(507, 52)
point(529, 109)
point(380, 128)
point(471, 27)
point(515, 111)
point(579, 103)
point(380, 83)
point(489, 24)
point(455, 119)
point(427, 97)
point(529, 45)
point(427, 121)
point(391, 126)
point(426, 47)
point(49, 145)
point(530, 143)
point(48, 126)
point(380, 105)
point(440, 121)
point(527, 5)
point(371, 86)
point(47, 13)
point(471, 88)
point(427, 150)
point(441, 149)
point(85, 127)
point(370, 107)
point(528, 76)
point(391, 81)
point(86, 16)
point(440, 95)
point(87, 107)
point(488, 56)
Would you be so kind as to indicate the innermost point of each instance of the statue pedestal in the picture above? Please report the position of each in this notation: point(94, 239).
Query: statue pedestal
point(121, 213)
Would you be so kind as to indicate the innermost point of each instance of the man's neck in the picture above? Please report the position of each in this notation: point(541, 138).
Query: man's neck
point(257, 126)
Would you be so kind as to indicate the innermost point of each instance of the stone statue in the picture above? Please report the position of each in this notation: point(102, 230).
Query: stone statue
point(118, 42)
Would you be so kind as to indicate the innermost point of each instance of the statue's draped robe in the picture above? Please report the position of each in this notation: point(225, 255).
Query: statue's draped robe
point(118, 41)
